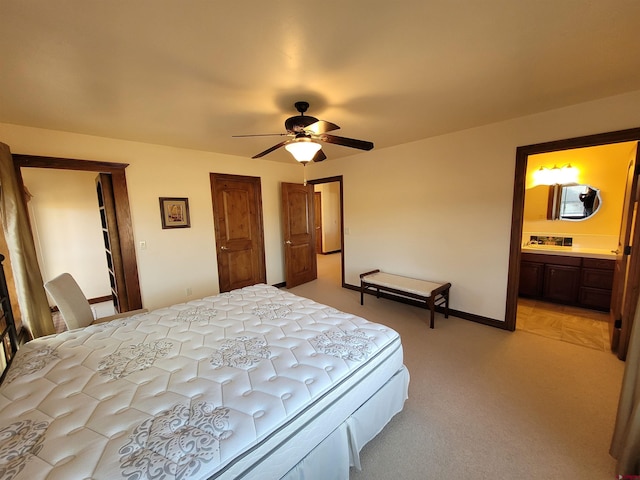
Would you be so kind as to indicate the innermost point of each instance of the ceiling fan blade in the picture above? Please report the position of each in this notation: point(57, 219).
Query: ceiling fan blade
point(319, 156)
point(321, 126)
point(269, 150)
point(261, 135)
point(346, 142)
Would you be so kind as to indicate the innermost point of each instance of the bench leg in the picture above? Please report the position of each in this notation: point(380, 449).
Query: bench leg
point(432, 308)
point(361, 293)
point(446, 304)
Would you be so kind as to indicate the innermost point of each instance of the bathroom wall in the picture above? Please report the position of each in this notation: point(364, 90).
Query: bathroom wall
point(603, 167)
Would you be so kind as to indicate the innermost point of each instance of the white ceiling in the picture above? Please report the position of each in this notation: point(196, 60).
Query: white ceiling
point(192, 73)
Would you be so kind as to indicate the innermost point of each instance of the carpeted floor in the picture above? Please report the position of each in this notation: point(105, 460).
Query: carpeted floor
point(486, 403)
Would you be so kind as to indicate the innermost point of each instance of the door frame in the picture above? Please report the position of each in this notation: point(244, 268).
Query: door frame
point(517, 215)
point(123, 212)
point(317, 201)
point(338, 179)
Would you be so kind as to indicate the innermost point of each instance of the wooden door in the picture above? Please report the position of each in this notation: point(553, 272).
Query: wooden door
point(317, 205)
point(632, 271)
point(299, 234)
point(239, 233)
point(623, 283)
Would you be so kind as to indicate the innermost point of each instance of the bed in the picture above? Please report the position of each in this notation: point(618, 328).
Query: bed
point(253, 383)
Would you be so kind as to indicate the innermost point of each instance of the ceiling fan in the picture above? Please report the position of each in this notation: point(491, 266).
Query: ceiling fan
point(307, 132)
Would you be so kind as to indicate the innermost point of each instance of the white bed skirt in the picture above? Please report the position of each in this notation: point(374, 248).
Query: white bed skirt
point(333, 457)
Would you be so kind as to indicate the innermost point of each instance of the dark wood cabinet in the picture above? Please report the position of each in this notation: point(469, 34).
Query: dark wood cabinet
point(561, 283)
point(531, 278)
point(585, 282)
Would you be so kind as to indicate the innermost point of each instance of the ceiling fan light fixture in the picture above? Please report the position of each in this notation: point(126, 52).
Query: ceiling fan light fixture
point(303, 149)
point(309, 134)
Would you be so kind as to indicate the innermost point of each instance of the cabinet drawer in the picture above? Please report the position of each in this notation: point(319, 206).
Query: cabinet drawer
point(596, 278)
point(551, 259)
point(595, 298)
point(531, 257)
point(598, 263)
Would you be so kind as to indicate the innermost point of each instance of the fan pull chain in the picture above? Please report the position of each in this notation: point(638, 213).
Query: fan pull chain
point(304, 174)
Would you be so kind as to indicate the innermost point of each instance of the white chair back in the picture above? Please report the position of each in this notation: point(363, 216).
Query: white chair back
point(73, 305)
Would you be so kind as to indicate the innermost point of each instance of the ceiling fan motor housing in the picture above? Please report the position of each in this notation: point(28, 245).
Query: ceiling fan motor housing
point(298, 123)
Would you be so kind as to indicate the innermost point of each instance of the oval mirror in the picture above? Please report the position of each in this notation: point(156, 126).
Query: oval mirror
point(573, 202)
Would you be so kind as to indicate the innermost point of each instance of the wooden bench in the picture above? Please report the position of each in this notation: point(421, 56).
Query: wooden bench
point(431, 293)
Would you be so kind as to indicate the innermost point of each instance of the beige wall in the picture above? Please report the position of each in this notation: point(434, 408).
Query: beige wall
point(439, 208)
point(178, 259)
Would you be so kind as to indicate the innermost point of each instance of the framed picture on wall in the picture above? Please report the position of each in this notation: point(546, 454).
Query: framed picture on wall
point(175, 212)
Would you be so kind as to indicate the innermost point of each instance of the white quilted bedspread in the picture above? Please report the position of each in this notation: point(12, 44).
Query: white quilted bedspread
point(178, 392)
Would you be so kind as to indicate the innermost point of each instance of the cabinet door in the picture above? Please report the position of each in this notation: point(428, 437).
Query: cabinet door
point(561, 283)
point(531, 275)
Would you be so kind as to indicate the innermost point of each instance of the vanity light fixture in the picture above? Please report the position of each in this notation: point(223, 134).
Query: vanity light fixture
point(556, 176)
point(542, 176)
point(567, 174)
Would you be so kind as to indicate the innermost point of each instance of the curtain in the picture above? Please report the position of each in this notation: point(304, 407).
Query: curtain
point(625, 446)
point(32, 299)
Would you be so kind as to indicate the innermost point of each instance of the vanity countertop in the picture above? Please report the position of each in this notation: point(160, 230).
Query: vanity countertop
point(570, 251)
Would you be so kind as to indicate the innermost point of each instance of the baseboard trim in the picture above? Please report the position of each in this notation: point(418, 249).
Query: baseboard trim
point(106, 298)
point(456, 313)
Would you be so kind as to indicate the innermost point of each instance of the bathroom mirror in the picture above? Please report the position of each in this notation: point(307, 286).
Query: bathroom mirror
point(573, 202)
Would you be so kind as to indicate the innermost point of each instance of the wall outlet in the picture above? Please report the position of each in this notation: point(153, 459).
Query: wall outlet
point(188, 291)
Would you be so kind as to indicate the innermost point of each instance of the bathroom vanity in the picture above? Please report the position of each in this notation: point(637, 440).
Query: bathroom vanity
point(568, 276)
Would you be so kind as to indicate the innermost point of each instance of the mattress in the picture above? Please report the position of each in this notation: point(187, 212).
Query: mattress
point(245, 384)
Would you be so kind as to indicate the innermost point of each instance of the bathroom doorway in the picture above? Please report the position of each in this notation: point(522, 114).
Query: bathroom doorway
point(522, 157)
